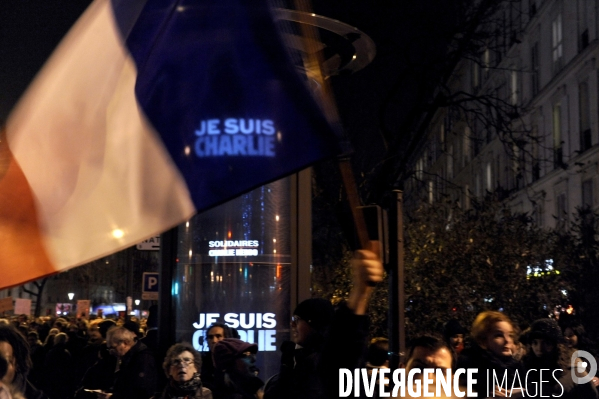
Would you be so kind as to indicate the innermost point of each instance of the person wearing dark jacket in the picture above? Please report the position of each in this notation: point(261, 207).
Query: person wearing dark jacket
point(492, 354)
point(59, 370)
point(135, 376)
point(325, 340)
point(549, 353)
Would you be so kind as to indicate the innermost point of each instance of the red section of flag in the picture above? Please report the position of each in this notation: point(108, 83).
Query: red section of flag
point(23, 254)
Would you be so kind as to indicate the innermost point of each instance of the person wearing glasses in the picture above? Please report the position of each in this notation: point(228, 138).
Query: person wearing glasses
point(135, 376)
point(181, 366)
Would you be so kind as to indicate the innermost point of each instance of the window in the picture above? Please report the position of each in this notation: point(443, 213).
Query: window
point(561, 211)
point(537, 213)
point(419, 168)
point(536, 166)
point(584, 115)
point(489, 175)
point(532, 8)
point(534, 62)
point(587, 193)
point(475, 75)
point(466, 145)
point(583, 26)
point(557, 42)
point(466, 201)
point(431, 192)
point(516, 168)
point(558, 154)
point(450, 161)
point(514, 88)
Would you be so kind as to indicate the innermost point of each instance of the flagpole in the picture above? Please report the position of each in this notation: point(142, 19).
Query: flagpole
point(312, 58)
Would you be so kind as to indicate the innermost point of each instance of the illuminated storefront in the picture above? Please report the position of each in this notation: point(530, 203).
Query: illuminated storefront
point(233, 266)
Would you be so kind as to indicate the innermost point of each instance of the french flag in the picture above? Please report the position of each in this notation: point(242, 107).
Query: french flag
point(146, 113)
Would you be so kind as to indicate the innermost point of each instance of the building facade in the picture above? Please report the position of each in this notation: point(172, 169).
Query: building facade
point(526, 126)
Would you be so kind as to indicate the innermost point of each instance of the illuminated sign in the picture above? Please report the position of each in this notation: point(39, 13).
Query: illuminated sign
point(256, 328)
point(228, 251)
point(235, 136)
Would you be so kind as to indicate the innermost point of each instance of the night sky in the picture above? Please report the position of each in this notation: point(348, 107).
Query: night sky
point(406, 34)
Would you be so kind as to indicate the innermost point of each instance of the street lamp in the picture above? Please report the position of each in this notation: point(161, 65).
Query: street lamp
point(71, 295)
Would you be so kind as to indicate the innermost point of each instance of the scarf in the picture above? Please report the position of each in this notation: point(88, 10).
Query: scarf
point(184, 389)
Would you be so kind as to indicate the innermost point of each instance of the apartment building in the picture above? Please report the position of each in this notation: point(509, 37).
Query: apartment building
point(526, 127)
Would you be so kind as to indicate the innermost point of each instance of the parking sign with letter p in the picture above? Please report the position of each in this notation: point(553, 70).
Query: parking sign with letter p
point(150, 286)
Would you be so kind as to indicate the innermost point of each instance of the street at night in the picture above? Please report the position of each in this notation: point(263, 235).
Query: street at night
point(299, 199)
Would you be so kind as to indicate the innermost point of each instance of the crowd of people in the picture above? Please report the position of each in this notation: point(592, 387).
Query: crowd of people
point(57, 358)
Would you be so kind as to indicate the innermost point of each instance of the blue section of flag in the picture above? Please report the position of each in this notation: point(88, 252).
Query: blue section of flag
point(215, 81)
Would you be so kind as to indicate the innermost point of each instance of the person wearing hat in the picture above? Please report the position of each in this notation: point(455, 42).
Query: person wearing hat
point(236, 359)
point(454, 335)
point(325, 340)
point(548, 352)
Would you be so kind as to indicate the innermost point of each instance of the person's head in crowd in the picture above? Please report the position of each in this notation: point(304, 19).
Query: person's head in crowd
point(133, 326)
point(49, 341)
point(61, 339)
point(310, 321)
point(217, 332)
point(23, 328)
point(182, 363)
point(33, 339)
point(454, 335)
point(494, 332)
point(576, 337)
point(73, 328)
point(94, 335)
point(15, 349)
point(378, 352)
point(120, 340)
point(34, 325)
point(544, 337)
point(104, 326)
point(235, 356)
point(428, 351)
point(61, 324)
point(236, 360)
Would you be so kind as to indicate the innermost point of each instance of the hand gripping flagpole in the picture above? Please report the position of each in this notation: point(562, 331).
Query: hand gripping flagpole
point(312, 62)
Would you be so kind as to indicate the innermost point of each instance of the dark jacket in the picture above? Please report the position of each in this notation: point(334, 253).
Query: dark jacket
point(170, 393)
point(99, 376)
point(136, 377)
point(312, 372)
point(488, 365)
point(58, 379)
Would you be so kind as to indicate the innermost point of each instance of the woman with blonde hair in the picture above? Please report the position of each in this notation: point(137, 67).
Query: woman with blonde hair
point(492, 354)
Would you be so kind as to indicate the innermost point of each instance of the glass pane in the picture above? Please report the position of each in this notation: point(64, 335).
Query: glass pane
point(234, 267)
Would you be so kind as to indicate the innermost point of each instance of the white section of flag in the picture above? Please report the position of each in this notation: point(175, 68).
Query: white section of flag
point(92, 160)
